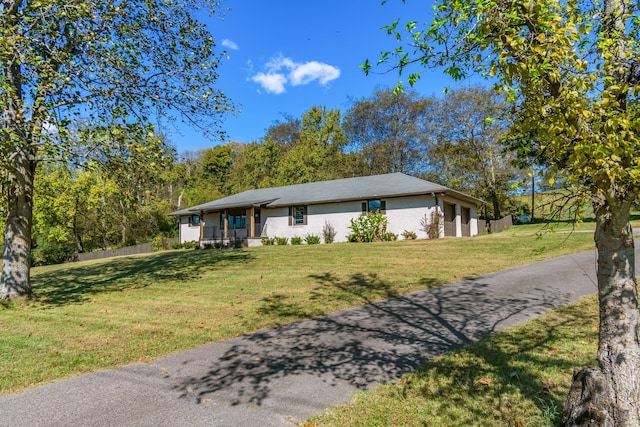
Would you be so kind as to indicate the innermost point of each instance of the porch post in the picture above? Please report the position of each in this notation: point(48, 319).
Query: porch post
point(201, 225)
point(458, 221)
point(473, 222)
point(252, 222)
point(226, 224)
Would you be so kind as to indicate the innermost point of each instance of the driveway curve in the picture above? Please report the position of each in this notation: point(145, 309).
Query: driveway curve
point(281, 376)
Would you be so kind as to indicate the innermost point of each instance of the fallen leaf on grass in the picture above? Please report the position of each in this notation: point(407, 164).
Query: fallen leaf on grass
point(485, 381)
point(553, 350)
point(547, 385)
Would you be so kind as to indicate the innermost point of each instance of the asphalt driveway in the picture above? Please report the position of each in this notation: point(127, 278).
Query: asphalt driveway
point(278, 377)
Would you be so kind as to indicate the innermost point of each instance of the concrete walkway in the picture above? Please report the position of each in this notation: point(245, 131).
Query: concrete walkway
point(278, 377)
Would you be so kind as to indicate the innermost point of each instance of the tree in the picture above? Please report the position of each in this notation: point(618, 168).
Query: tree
point(216, 164)
point(389, 130)
point(318, 154)
point(572, 73)
point(132, 168)
point(285, 132)
point(101, 61)
point(114, 202)
point(467, 152)
point(254, 165)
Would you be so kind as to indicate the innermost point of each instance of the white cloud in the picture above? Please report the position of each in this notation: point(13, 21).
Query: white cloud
point(313, 70)
point(230, 44)
point(280, 62)
point(271, 82)
point(282, 71)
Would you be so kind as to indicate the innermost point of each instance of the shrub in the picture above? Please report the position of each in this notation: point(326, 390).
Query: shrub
point(190, 245)
point(437, 219)
point(268, 241)
point(52, 252)
point(159, 243)
point(282, 241)
point(328, 232)
point(389, 236)
point(177, 245)
point(352, 238)
point(296, 240)
point(409, 235)
point(368, 228)
point(312, 239)
point(432, 226)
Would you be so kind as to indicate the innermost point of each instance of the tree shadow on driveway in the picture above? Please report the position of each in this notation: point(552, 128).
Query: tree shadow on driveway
point(318, 363)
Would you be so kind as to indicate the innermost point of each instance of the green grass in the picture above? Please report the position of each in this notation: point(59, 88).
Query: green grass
point(100, 314)
point(518, 377)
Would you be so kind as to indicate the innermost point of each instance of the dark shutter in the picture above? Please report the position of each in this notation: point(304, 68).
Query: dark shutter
point(291, 216)
point(383, 207)
point(364, 208)
point(304, 215)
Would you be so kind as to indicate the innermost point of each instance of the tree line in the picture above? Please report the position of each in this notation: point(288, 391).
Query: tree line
point(122, 195)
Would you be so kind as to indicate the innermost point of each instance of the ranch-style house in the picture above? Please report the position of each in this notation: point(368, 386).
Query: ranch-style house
point(299, 210)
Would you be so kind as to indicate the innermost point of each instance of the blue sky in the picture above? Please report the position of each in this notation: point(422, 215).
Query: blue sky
point(285, 56)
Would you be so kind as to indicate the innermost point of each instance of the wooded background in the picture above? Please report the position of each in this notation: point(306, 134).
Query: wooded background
point(124, 196)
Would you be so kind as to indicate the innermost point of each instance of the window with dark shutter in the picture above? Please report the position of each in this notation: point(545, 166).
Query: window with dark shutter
point(298, 215)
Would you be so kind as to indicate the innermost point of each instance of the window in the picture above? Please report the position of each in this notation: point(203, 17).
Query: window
point(236, 222)
point(297, 215)
point(194, 220)
point(375, 205)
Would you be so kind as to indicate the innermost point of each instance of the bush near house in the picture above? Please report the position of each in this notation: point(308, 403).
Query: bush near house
point(328, 232)
point(409, 235)
point(389, 237)
point(268, 241)
point(369, 228)
point(282, 241)
point(312, 239)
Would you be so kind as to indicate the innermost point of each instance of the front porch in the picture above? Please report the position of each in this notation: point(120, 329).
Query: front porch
point(238, 228)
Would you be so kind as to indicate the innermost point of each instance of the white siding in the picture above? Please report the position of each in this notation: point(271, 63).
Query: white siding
point(188, 232)
point(407, 213)
point(403, 213)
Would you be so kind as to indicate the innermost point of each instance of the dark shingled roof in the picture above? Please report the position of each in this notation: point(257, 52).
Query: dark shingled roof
point(339, 190)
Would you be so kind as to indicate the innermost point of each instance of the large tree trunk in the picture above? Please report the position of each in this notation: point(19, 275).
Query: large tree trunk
point(16, 259)
point(611, 396)
point(15, 278)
